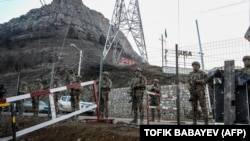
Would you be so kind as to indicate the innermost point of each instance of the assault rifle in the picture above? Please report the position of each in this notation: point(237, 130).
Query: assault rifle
point(132, 94)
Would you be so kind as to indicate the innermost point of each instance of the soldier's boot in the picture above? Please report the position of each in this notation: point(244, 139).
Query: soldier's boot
point(194, 121)
point(206, 121)
point(134, 121)
point(141, 119)
point(106, 115)
point(159, 116)
point(36, 114)
point(153, 115)
point(58, 111)
point(102, 115)
point(33, 110)
point(194, 117)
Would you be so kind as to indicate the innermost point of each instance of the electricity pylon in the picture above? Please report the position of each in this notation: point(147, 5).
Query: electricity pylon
point(125, 20)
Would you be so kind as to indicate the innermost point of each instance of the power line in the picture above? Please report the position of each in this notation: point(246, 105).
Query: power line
point(224, 6)
point(5, 0)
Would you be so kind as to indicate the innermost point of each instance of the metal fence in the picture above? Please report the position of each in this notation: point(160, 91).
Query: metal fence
point(212, 56)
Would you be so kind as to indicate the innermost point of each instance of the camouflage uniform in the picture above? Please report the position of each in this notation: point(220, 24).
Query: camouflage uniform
point(197, 83)
point(246, 61)
point(75, 94)
point(57, 95)
point(138, 85)
point(35, 100)
point(155, 100)
point(22, 90)
point(246, 69)
point(106, 86)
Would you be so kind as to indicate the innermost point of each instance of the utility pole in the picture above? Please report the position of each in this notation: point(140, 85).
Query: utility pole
point(202, 62)
point(162, 51)
point(203, 68)
point(80, 58)
point(177, 84)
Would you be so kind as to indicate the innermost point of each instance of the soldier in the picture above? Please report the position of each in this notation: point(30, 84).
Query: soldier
point(155, 100)
point(246, 69)
point(197, 82)
point(138, 86)
point(35, 100)
point(22, 90)
point(76, 93)
point(106, 86)
point(57, 95)
point(246, 61)
point(2, 92)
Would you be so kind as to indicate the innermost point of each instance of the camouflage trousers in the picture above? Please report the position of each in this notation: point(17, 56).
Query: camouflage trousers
point(56, 98)
point(104, 104)
point(155, 102)
point(21, 107)
point(35, 105)
point(75, 100)
point(202, 101)
point(137, 105)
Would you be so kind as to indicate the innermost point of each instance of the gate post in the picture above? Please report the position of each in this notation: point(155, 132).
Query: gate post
point(229, 92)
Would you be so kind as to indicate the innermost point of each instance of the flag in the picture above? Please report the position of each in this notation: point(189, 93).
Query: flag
point(166, 33)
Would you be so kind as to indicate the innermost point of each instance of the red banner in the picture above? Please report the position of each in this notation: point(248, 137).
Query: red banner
point(126, 61)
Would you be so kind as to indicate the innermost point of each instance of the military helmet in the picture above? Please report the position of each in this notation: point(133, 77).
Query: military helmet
point(196, 63)
point(38, 80)
point(56, 78)
point(105, 73)
point(247, 57)
point(79, 76)
point(138, 69)
point(155, 80)
point(24, 83)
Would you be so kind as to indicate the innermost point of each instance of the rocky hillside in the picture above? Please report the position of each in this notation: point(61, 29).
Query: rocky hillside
point(33, 43)
point(44, 35)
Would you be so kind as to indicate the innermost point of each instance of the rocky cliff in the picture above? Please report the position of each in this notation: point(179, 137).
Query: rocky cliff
point(45, 35)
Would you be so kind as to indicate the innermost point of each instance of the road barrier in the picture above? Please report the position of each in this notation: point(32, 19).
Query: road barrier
point(6, 101)
point(148, 107)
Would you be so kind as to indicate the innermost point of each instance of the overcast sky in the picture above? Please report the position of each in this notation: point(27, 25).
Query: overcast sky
point(217, 19)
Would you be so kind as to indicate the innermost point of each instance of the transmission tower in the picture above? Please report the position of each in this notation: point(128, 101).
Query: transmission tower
point(125, 20)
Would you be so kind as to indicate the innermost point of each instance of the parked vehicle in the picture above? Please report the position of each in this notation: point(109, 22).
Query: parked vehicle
point(64, 105)
point(43, 107)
